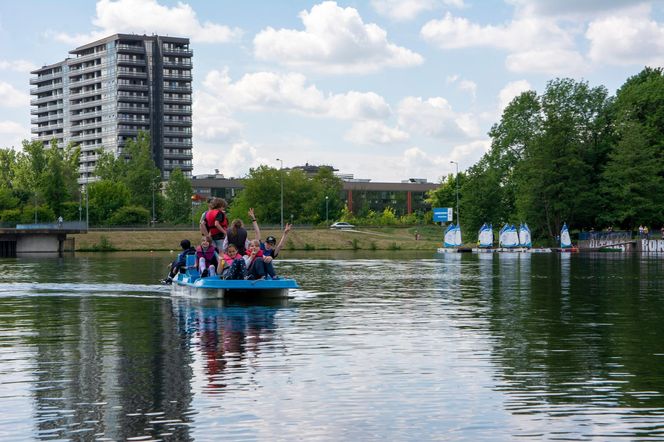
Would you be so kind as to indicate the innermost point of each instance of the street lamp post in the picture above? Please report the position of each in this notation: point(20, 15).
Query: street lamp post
point(457, 191)
point(281, 176)
point(326, 208)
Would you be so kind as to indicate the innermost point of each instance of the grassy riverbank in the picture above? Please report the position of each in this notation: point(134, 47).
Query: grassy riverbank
point(387, 238)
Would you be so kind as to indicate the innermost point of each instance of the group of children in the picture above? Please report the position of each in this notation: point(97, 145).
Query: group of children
point(227, 251)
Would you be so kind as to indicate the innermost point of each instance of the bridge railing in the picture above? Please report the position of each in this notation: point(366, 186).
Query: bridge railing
point(69, 225)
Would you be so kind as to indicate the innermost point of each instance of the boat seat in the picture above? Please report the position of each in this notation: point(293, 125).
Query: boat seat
point(192, 271)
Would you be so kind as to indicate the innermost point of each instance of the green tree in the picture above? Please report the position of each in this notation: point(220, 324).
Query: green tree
point(58, 181)
point(105, 198)
point(130, 216)
point(632, 180)
point(178, 198)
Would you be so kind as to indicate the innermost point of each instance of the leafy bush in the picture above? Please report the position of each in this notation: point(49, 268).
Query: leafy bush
point(130, 215)
point(10, 216)
point(44, 214)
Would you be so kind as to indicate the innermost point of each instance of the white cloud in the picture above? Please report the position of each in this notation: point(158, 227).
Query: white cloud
point(572, 8)
point(419, 163)
point(335, 40)
point(12, 97)
point(375, 132)
point(12, 133)
point(511, 90)
point(148, 16)
point(291, 92)
point(212, 119)
point(402, 10)
point(17, 65)
point(548, 61)
point(536, 44)
point(434, 117)
point(626, 40)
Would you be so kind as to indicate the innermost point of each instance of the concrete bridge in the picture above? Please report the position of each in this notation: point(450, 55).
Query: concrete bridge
point(39, 239)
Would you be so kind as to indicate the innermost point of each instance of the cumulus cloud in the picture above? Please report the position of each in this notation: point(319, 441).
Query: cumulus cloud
point(17, 65)
point(401, 10)
point(213, 120)
point(12, 133)
point(148, 16)
point(626, 40)
point(12, 97)
point(419, 163)
point(572, 8)
point(291, 92)
point(535, 44)
point(232, 161)
point(375, 132)
point(511, 90)
point(335, 40)
point(463, 84)
point(434, 117)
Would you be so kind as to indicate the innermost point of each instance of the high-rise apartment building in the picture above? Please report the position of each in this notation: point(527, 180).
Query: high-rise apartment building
point(111, 89)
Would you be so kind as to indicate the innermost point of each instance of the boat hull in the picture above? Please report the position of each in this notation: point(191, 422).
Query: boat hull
point(217, 288)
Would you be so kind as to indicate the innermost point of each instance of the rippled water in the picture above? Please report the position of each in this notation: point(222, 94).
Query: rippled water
point(459, 347)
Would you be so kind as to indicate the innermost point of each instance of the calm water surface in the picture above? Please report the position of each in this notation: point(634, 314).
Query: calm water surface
point(374, 347)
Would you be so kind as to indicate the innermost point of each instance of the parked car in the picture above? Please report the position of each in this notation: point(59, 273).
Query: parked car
point(341, 225)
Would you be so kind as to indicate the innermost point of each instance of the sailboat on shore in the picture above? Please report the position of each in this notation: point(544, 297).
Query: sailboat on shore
point(451, 239)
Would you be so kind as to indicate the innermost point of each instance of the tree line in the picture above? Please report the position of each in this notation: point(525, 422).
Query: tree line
point(573, 154)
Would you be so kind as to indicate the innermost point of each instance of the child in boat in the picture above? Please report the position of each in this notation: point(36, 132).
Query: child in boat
point(235, 267)
point(207, 258)
point(270, 247)
point(214, 224)
point(257, 268)
point(180, 262)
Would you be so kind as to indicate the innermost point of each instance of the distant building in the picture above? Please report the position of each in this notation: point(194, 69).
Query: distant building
point(111, 89)
point(359, 195)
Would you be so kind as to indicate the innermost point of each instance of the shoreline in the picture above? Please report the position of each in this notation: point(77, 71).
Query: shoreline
point(362, 238)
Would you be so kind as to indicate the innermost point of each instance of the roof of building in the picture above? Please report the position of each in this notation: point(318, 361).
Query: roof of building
point(127, 37)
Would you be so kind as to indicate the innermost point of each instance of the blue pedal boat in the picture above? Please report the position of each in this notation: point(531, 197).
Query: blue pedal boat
point(190, 284)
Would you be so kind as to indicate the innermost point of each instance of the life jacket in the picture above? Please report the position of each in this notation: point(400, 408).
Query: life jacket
point(253, 260)
point(230, 260)
point(210, 217)
point(208, 254)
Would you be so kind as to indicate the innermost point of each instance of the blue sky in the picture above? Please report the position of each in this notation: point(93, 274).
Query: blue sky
point(382, 89)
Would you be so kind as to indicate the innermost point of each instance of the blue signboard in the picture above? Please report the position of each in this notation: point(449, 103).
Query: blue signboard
point(442, 214)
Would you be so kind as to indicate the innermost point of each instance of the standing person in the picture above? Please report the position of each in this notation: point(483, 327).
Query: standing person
point(237, 235)
point(646, 232)
point(180, 262)
point(216, 223)
point(207, 258)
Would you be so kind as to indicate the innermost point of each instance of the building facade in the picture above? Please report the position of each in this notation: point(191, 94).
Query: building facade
point(111, 89)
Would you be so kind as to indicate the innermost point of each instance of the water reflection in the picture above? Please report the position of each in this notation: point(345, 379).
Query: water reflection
point(226, 338)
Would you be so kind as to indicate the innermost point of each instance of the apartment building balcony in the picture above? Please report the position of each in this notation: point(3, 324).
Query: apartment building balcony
point(127, 107)
point(48, 128)
point(177, 100)
point(132, 87)
point(82, 94)
point(130, 62)
point(181, 75)
point(177, 64)
point(178, 156)
point(86, 69)
point(90, 148)
point(45, 88)
point(174, 132)
point(177, 122)
point(44, 109)
point(131, 74)
point(131, 132)
point(86, 82)
point(44, 100)
point(181, 89)
point(177, 51)
point(133, 120)
point(85, 126)
point(47, 138)
point(124, 96)
point(87, 104)
point(184, 144)
point(84, 137)
point(87, 57)
point(43, 78)
point(132, 49)
point(84, 116)
point(46, 118)
point(172, 110)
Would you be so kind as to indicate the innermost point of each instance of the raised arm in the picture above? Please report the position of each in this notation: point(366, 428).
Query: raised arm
point(254, 223)
point(287, 229)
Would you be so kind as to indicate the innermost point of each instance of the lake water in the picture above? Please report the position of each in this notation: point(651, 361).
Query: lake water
point(373, 347)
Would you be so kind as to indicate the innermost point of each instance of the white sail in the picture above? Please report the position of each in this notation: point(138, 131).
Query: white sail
point(508, 236)
point(452, 236)
point(524, 236)
point(565, 240)
point(485, 237)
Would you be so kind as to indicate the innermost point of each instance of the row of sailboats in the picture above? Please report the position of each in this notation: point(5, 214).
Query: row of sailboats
point(510, 238)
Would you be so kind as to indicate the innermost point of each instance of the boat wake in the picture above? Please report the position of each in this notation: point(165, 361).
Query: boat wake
point(83, 290)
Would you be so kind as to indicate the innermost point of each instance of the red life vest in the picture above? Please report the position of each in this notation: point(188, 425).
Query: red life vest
point(210, 217)
point(207, 254)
